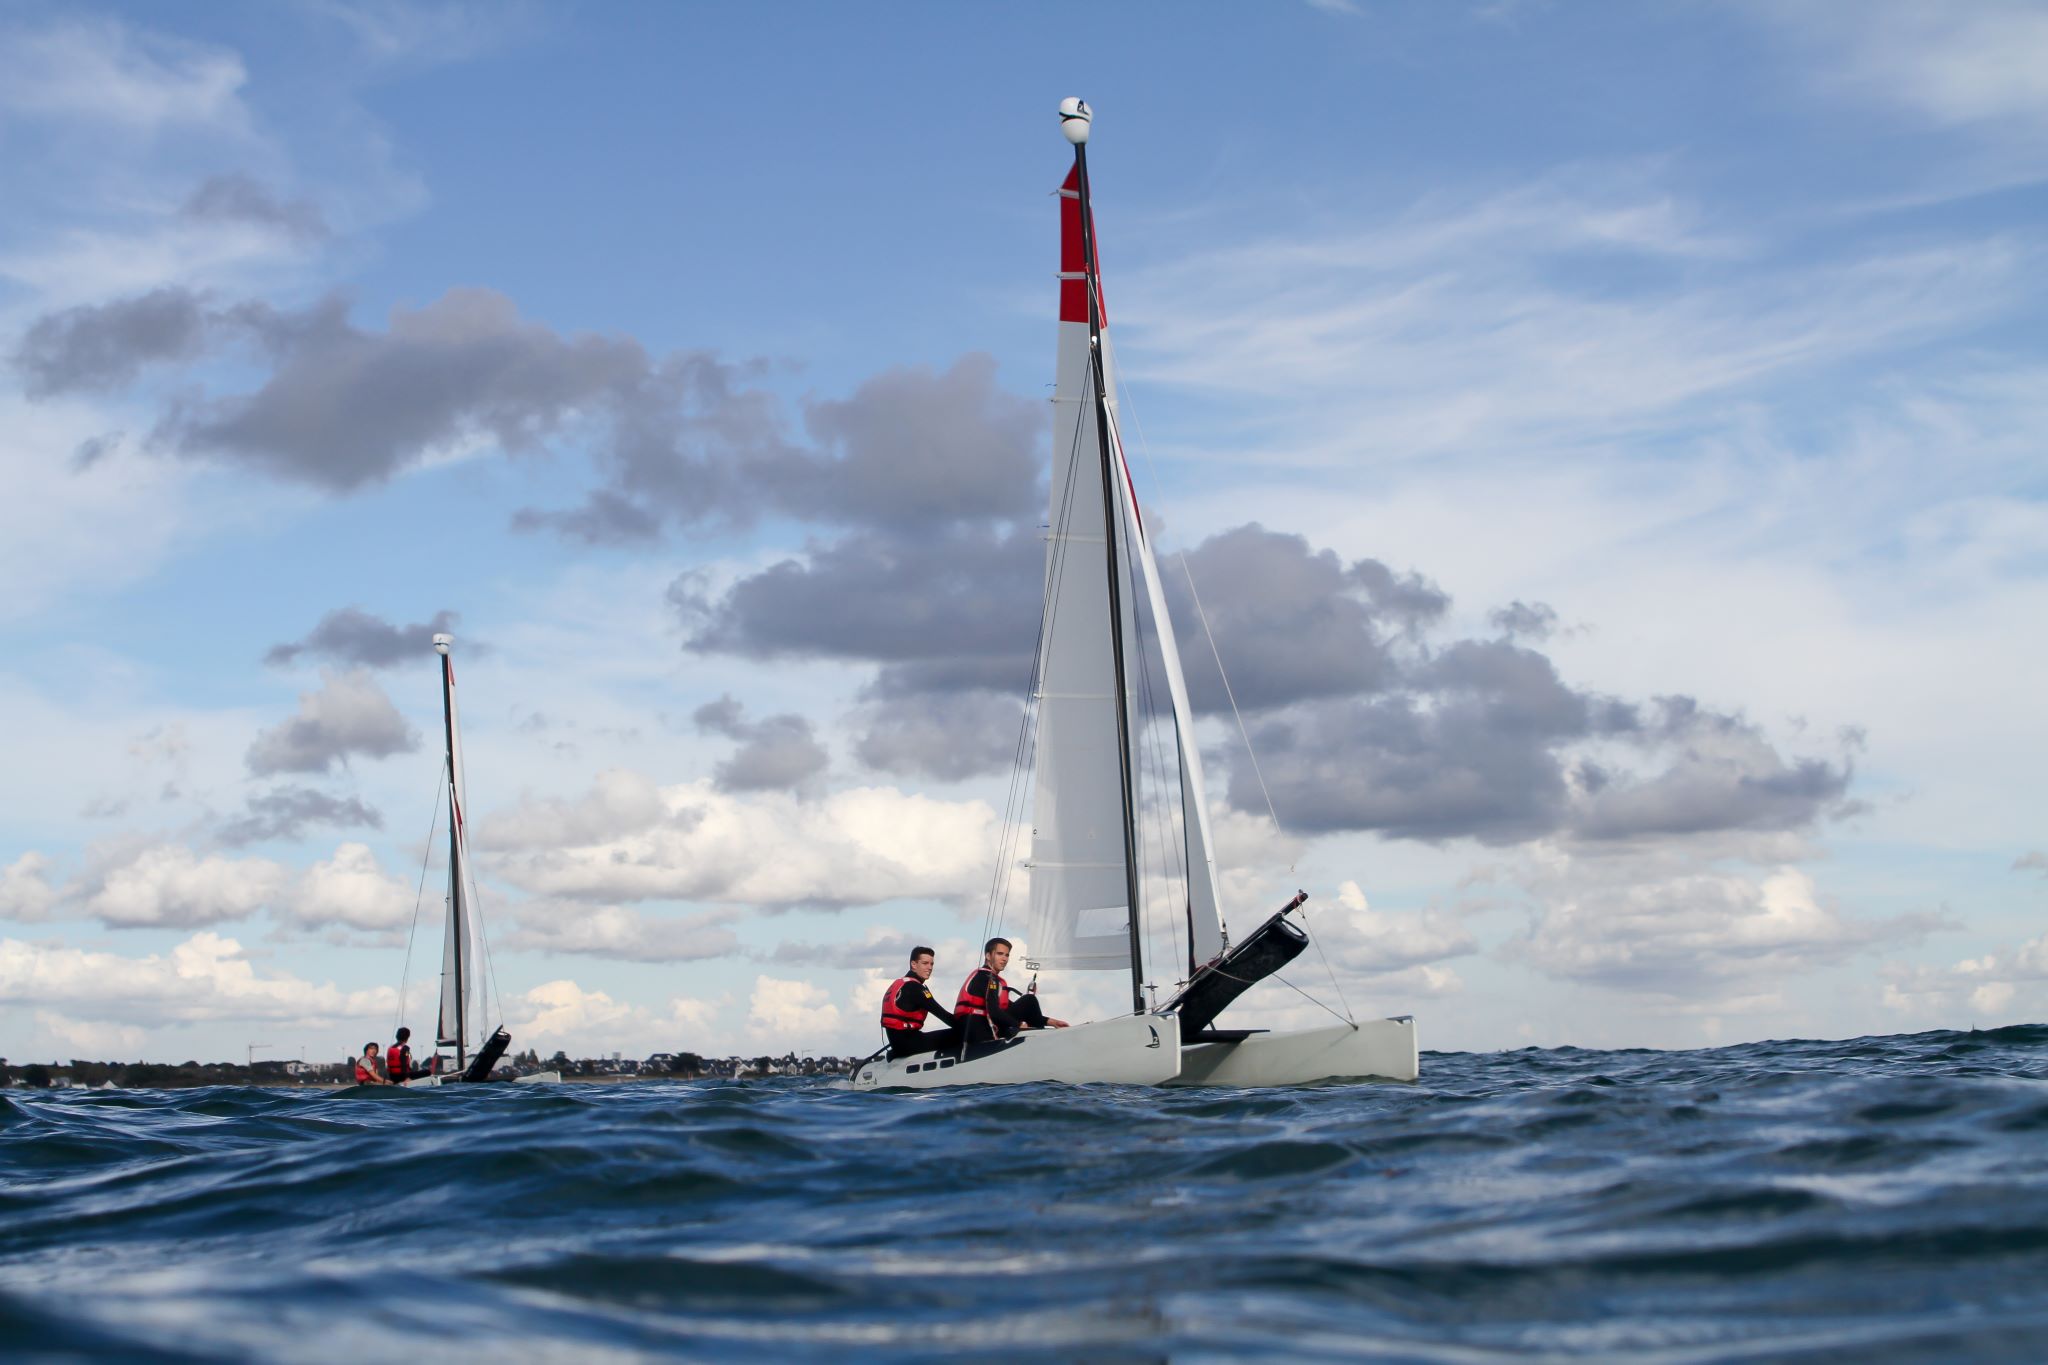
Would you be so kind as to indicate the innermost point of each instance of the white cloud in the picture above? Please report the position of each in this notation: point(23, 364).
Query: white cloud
point(205, 978)
point(91, 1038)
point(2007, 985)
point(105, 72)
point(792, 1014)
point(169, 885)
point(620, 932)
point(25, 891)
point(1957, 65)
point(1378, 943)
point(351, 888)
point(860, 846)
point(562, 1015)
point(1681, 921)
point(348, 714)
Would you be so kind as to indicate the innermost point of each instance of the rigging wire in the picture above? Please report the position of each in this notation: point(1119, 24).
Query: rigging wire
point(418, 896)
point(1020, 765)
point(1244, 731)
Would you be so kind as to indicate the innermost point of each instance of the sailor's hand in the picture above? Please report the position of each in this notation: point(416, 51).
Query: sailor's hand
point(1055, 1023)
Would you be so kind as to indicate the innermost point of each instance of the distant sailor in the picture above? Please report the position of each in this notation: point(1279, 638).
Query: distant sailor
point(989, 1009)
point(398, 1060)
point(905, 1005)
point(370, 1067)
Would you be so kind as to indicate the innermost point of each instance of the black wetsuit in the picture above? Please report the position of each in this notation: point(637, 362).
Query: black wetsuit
point(1001, 1021)
point(914, 995)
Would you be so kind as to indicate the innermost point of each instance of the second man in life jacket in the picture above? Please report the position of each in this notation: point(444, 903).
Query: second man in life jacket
point(989, 1009)
point(905, 1005)
point(398, 1060)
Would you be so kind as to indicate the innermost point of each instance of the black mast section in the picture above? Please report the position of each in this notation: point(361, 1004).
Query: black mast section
point(454, 861)
point(1093, 284)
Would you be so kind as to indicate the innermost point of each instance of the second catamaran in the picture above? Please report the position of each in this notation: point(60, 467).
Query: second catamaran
point(459, 1023)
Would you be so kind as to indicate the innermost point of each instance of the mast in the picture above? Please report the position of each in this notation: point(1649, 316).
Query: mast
point(1074, 123)
point(454, 967)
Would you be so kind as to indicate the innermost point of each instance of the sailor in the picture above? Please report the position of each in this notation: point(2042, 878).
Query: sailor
point(370, 1067)
point(989, 1009)
point(905, 1005)
point(398, 1060)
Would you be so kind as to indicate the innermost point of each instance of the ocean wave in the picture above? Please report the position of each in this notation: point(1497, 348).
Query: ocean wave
point(1877, 1198)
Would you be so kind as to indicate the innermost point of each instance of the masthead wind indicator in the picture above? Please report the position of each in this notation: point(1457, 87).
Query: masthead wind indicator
point(1075, 117)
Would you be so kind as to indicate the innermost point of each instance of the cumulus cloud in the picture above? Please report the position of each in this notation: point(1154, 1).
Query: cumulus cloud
point(1677, 922)
point(562, 1014)
point(2006, 985)
point(351, 889)
point(795, 1013)
point(621, 933)
point(947, 736)
point(354, 637)
point(240, 199)
point(168, 885)
point(776, 753)
point(90, 1038)
point(205, 978)
point(286, 812)
point(25, 891)
point(94, 348)
point(861, 846)
point(1378, 943)
point(348, 715)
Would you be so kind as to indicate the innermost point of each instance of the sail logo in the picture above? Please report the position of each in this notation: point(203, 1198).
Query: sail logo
point(1155, 1036)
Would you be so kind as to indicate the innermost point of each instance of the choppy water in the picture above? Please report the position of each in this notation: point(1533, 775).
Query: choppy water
point(1879, 1199)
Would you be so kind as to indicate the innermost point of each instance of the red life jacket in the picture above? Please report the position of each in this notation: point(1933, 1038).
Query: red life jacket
point(973, 1006)
point(364, 1076)
point(894, 1016)
point(398, 1061)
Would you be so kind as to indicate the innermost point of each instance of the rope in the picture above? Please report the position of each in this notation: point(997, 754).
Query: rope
point(418, 895)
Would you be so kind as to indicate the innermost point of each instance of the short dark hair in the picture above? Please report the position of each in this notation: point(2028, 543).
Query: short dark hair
point(404, 1034)
point(371, 1046)
point(921, 951)
point(990, 946)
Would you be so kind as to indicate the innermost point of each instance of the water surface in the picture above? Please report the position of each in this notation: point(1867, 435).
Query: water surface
point(1876, 1199)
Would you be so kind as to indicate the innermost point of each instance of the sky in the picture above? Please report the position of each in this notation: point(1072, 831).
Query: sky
point(1606, 442)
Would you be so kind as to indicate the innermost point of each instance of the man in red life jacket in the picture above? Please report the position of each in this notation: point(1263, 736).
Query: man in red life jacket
point(370, 1067)
point(398, 1060)
point(905, 1005)
point(989, 1009)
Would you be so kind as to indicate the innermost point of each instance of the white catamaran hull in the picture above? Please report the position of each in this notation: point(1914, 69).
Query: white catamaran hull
point(1145, 1050)
point(1140, 1049)
point(1379, 1049)
point(455, 1078)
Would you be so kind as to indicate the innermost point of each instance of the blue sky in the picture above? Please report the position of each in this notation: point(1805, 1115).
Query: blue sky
point(1708, 334)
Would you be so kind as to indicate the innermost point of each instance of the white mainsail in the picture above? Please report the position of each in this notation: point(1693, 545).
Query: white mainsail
point(1080, 916)
point(1080, 910)
point(458, 960)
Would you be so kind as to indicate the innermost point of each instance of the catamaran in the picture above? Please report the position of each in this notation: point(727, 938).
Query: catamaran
point(1087, 910)
point(459, 1022)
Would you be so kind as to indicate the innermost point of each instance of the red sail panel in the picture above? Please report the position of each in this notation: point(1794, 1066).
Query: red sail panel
point(1073, 284)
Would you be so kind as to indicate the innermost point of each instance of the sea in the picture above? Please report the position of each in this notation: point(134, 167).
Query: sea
point(1879, 1199)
